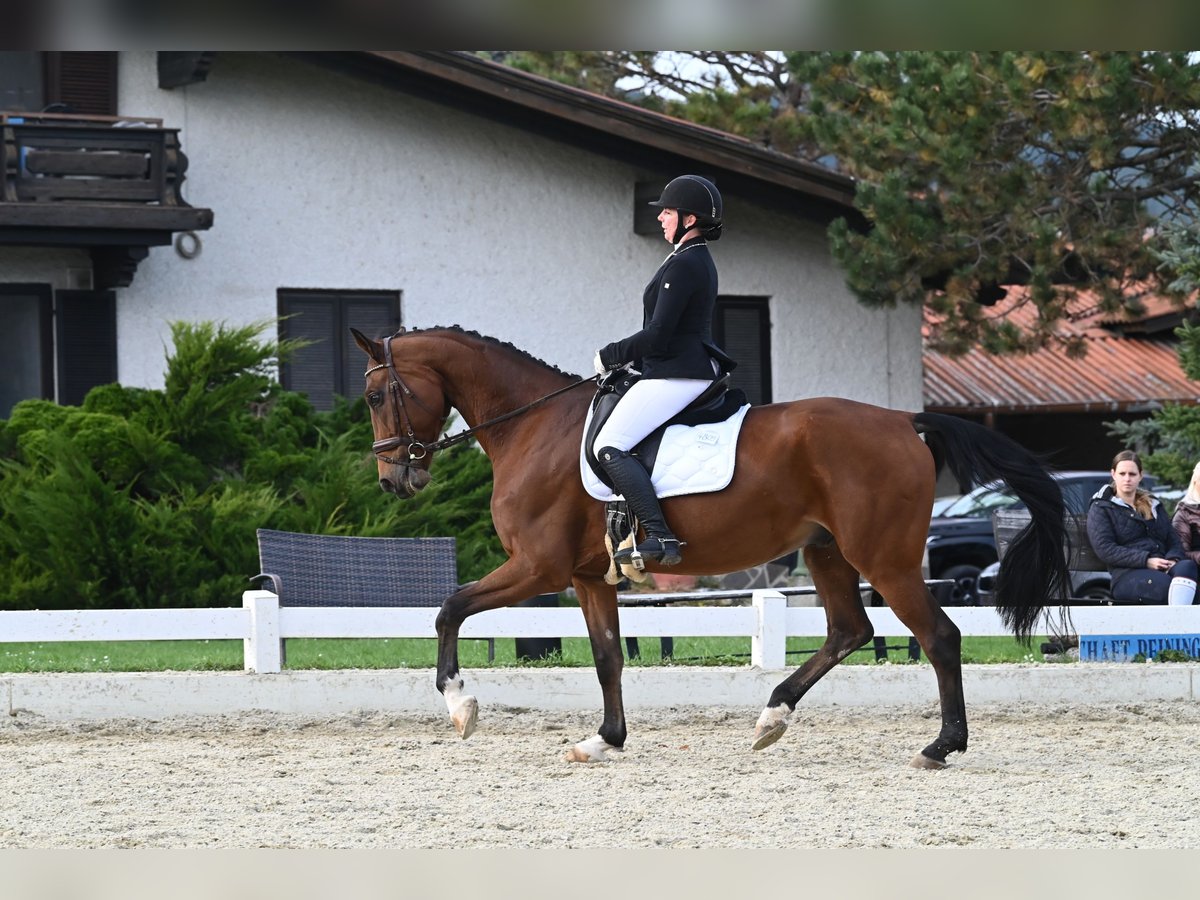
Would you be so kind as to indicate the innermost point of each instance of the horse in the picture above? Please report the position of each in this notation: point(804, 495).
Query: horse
point(849, 484)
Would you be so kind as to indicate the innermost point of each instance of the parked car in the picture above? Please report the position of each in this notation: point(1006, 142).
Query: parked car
point(961, 543)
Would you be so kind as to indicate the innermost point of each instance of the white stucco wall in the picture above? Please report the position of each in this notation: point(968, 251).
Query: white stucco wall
point(319, 180)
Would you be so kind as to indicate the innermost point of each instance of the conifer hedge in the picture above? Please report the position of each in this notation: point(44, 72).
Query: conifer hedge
point(150, 498)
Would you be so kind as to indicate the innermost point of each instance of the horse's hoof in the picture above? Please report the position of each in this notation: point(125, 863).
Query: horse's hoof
point(771, 725)
point(921, 761)
point(766, 736)
point(465, 717)
point(594, 749)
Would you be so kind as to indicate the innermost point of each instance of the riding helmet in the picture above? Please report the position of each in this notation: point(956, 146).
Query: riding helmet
point(691, 193)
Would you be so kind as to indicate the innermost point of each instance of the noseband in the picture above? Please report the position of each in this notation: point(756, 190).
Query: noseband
point(418, 450)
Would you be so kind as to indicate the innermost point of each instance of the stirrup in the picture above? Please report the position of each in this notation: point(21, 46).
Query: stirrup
point(664, 550)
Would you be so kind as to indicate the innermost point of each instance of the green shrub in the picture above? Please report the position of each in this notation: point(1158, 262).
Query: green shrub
point(144, 498)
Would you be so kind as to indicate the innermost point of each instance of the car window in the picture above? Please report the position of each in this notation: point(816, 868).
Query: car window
point(1077, 491)
point(979, 502)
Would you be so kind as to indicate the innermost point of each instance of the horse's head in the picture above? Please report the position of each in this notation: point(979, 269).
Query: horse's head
point(407, 412)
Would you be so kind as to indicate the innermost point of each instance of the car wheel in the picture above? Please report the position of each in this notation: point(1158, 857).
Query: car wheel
point(1097, 591)
point(965, 589)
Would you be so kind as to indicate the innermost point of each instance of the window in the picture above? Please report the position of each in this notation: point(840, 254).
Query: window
point(21, 81)
point(76, 81)
point(332, 364)
point(742, 328)
point(25, 344)
point(34, 322)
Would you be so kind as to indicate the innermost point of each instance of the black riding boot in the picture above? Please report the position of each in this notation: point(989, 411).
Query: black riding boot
point(632, 481)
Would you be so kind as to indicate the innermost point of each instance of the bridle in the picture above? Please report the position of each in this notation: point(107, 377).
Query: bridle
point(397, 389)
point(417, 449)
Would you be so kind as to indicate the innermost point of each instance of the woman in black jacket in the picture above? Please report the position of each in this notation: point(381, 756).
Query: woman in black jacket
point(1129, 530)
point(674, 351)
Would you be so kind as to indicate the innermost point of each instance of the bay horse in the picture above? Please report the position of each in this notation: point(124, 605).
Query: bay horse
point(850, 484)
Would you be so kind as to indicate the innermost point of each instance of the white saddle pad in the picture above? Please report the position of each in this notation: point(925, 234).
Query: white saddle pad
point(692, 459)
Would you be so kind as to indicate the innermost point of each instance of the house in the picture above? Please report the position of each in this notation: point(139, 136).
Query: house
point(379, 189)
point(1057, 404)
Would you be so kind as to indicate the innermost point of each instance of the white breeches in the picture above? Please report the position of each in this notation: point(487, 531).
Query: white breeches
point(647, 405)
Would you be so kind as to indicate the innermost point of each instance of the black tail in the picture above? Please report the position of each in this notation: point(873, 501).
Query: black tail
point(1033, 573)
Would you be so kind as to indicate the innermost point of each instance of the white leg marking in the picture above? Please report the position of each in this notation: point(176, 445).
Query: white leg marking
point(464, 709)
point(772, 723)
point(594, 749)
point(773, 716)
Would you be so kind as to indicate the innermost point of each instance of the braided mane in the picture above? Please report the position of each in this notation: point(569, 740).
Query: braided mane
point(458, 329)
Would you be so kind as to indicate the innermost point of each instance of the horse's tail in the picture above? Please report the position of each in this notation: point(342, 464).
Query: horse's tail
point(1033, 573)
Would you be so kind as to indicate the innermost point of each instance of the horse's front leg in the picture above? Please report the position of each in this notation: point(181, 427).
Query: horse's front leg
point(598, 602)
point(509, 584)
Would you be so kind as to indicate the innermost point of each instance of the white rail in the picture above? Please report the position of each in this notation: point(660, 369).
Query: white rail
point(262, 624)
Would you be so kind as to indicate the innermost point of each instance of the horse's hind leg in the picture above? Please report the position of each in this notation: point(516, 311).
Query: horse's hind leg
point(848, 628)
point(913, 604)
point(598, 603)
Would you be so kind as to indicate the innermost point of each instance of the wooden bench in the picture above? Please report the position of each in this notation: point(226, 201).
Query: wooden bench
point(337, 570)
point(1006, 523)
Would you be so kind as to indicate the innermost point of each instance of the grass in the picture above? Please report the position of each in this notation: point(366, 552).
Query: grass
point(161, 656)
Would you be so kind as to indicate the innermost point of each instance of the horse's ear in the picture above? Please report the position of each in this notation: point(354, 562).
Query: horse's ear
point(373, 349)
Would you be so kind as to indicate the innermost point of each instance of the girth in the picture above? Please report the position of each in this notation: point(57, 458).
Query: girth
point(716, 404)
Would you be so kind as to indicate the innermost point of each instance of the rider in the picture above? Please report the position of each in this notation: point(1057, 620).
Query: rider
point(674, 351)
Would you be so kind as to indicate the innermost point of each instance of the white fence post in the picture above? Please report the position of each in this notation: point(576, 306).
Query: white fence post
point(768, 645)
point(262, 647)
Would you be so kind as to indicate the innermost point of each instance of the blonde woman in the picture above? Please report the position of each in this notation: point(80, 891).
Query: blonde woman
point(1129, 530)
point(1187, 518)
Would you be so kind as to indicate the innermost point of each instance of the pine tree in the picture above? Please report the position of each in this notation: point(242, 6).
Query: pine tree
point(974, 170)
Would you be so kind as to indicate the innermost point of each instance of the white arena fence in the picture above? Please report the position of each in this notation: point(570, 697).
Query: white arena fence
point(262, 625)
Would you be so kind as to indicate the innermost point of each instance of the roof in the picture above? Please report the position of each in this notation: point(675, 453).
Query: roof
point(600, 123)
point(1119, 372)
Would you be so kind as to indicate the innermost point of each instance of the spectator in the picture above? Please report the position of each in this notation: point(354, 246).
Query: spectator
point(1129, 530)
point(1187, 518)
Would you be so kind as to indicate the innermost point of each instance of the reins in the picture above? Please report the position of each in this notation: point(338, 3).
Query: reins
point(397, 387)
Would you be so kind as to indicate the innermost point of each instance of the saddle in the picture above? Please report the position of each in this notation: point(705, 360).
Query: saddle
point(716, 404)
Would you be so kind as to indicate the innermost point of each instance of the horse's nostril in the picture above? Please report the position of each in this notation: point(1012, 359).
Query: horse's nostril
point(385, 485)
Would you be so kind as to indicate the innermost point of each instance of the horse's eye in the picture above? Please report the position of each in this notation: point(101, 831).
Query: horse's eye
point(374, 398)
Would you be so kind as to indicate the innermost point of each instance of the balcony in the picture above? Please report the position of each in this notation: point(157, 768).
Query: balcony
point(107, 184)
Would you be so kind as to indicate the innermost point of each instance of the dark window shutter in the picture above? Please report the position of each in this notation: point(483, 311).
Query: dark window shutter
point(310, 369)
point(86, 340)
point(742, 327)
point(85, 81)
point(332, 363)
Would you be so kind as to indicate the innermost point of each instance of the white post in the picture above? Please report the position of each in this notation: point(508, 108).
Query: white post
point(262, 648)
point(768, 646)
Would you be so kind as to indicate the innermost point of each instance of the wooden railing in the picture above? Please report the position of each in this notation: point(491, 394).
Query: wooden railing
point(52, 158)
